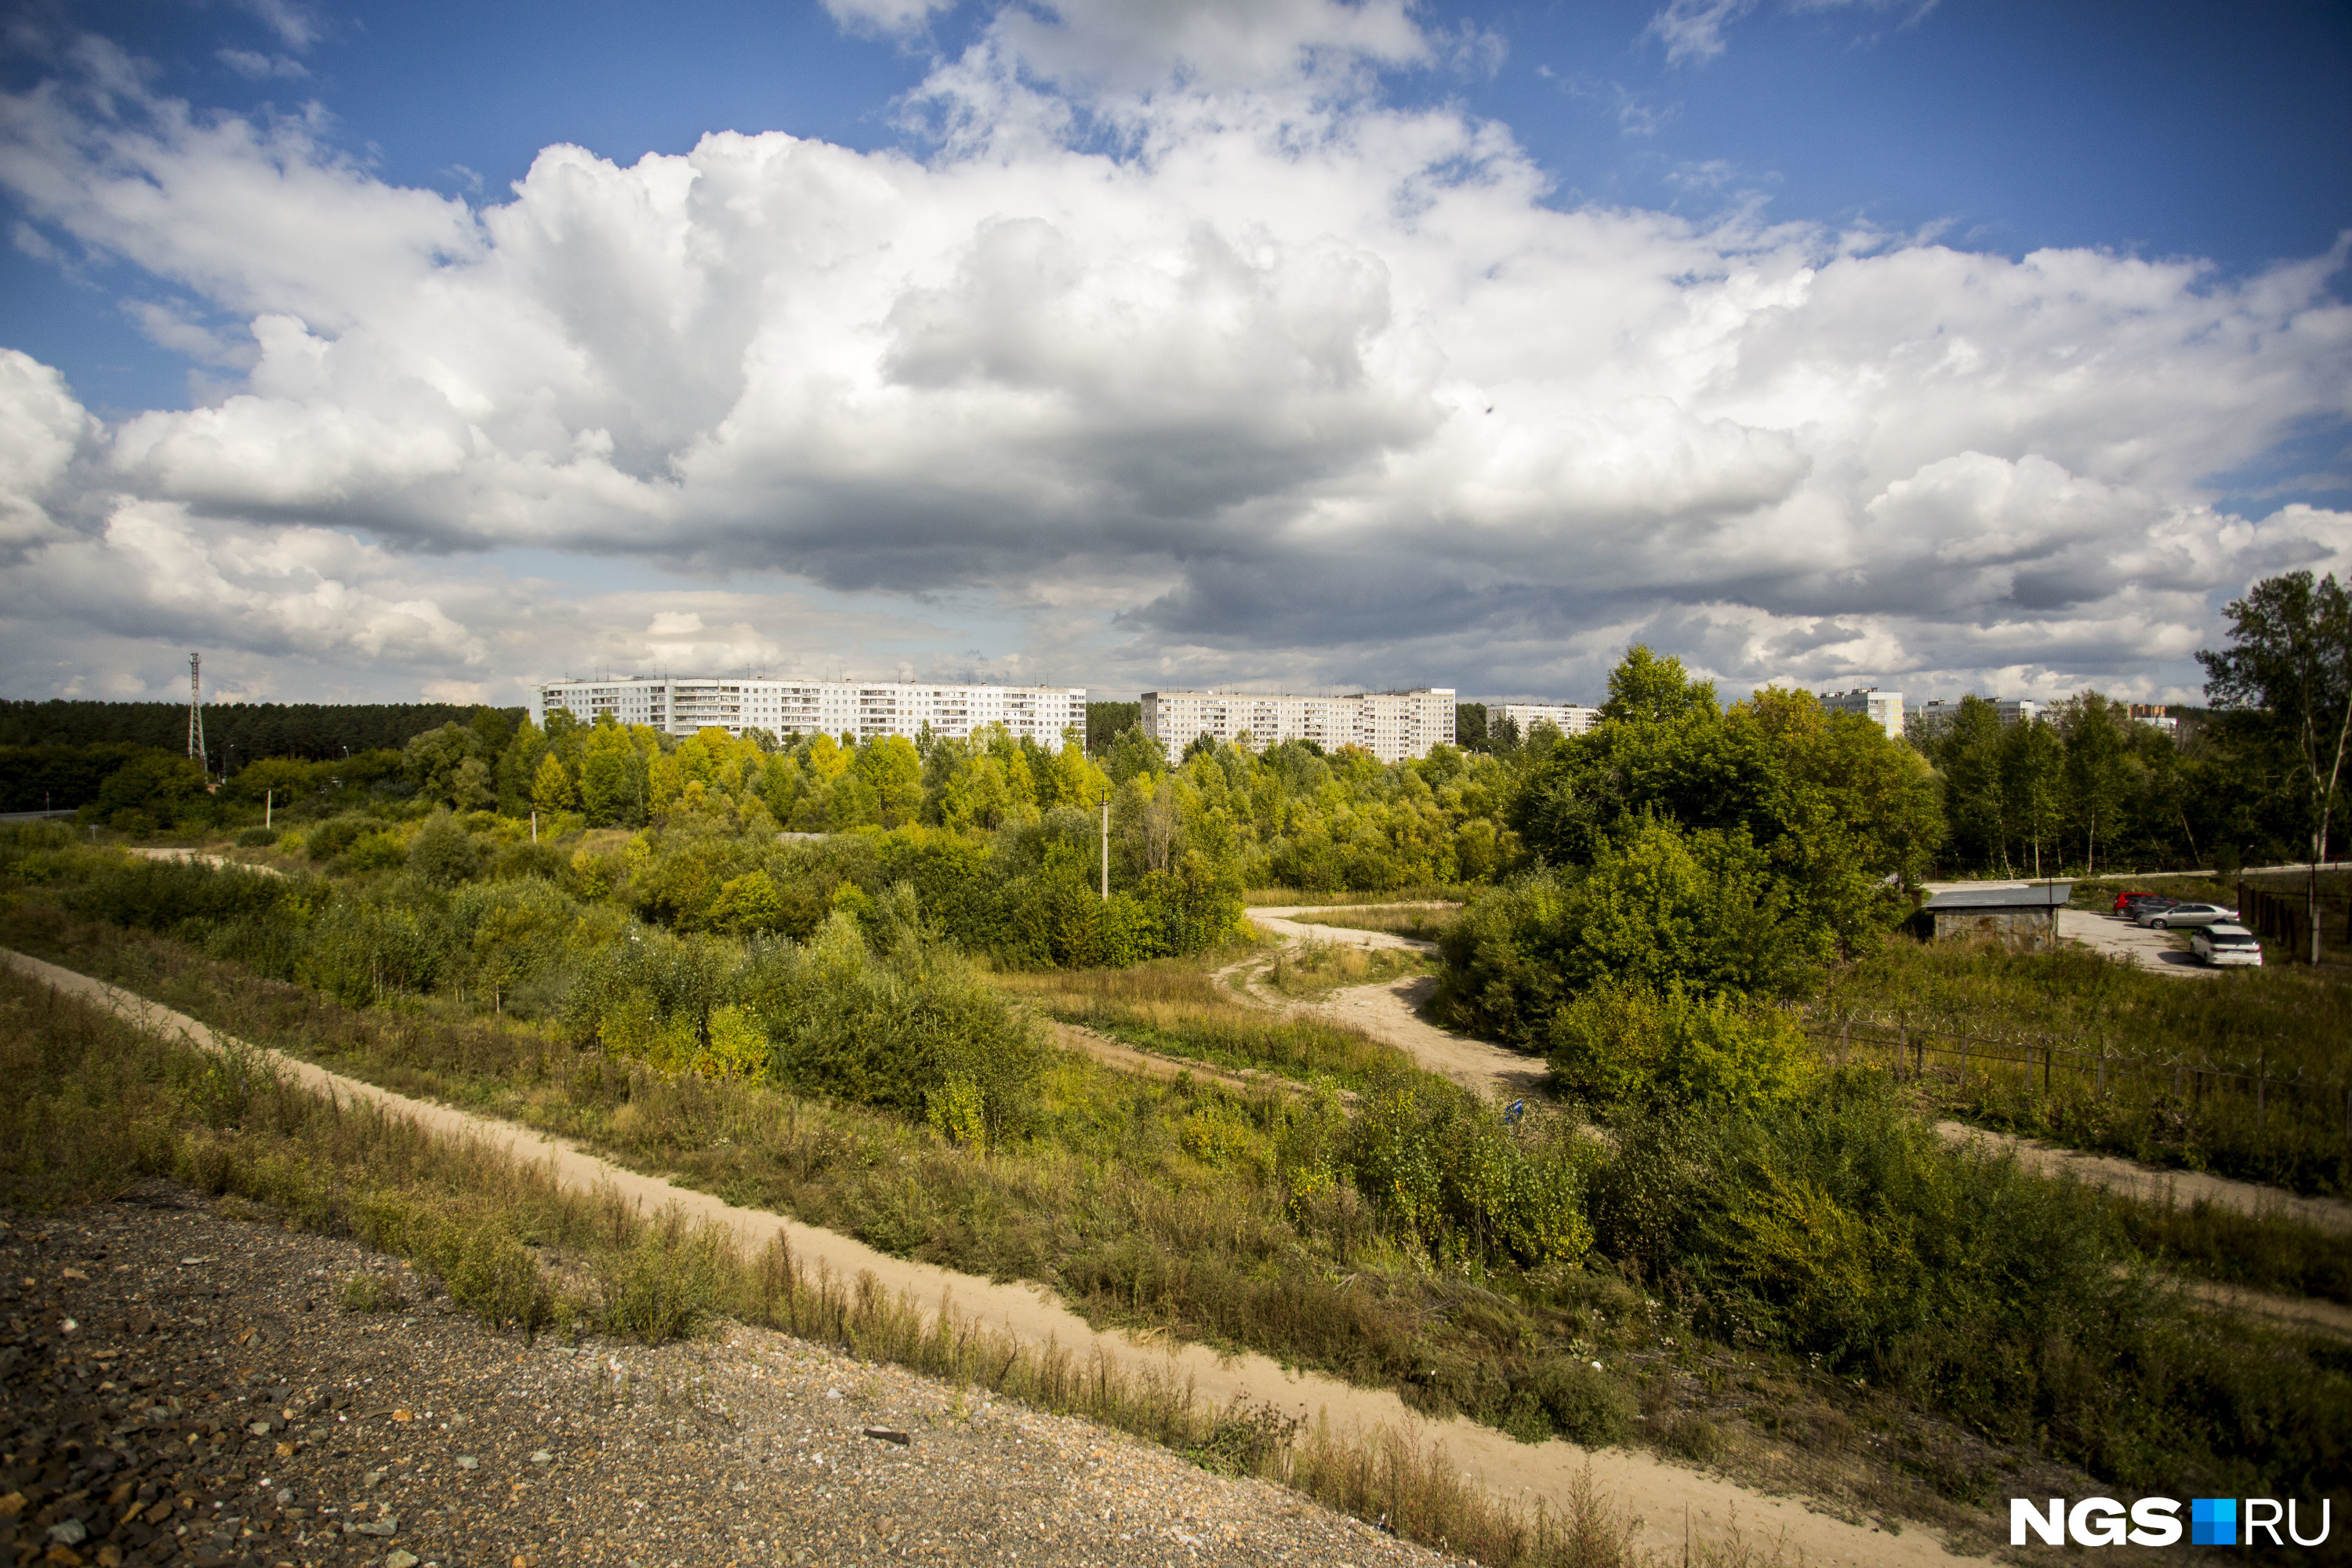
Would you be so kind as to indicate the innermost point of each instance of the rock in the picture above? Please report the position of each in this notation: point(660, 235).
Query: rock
point(885, 1435)
point(260, 1428)
point(374, 1477)
point(467, 1462)
point(543, 1457)
point(397, 1558)
point(12, 1505)
point(70, 1533)
point(388, 1525)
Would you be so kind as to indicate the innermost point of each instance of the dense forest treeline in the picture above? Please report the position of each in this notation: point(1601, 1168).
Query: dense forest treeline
point(235, 733)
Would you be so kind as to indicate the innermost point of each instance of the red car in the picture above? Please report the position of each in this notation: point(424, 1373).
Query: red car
point(2124, 899)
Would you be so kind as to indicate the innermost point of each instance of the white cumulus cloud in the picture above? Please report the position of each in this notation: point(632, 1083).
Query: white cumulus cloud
point(1287, 383)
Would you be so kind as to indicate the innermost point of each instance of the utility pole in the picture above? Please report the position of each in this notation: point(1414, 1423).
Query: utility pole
point(196, 714)
point(1106, 863)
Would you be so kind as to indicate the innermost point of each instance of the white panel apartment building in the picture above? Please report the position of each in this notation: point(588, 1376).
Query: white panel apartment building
point(1392, 725)
point(1566, 717)
point(789, 707)
point(1884, 708)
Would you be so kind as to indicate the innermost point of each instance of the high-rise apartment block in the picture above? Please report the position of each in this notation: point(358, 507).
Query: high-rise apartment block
point(2009, 709)
point(1884, 708)
point(1566, 717)
point(787, 708)
point(1392, 725)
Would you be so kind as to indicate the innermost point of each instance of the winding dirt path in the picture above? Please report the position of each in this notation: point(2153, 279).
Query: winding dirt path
point(1390, 1011)
point(1676, 1506)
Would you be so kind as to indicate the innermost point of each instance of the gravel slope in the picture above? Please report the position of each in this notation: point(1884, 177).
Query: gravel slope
point(176, 1386)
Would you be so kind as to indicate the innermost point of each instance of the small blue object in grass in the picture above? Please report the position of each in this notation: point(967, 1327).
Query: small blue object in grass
point(1511, 1115)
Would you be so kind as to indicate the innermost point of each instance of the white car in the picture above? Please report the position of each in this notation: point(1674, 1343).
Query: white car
point(2224, 945)
point(2187, 915)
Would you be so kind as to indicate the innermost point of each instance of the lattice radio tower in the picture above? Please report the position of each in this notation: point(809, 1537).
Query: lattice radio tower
point(196, 715)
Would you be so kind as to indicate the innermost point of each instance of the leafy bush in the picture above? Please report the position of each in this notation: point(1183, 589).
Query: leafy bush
point(1589, 1408)
point(330, 838)
point(1624, 1041)
point(894, 1033)
point(1449, 1171)
point(1661, 907)
point(159, 895)
point(257, 837)
point(444, 853)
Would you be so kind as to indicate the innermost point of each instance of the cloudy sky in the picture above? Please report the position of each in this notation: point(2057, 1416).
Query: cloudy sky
point(434, 350)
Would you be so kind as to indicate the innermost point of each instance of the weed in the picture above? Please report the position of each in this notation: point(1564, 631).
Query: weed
point(365, 1293)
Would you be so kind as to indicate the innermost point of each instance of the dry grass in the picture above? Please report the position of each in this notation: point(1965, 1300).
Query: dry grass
point(1420, 921)
point(1304, 898)
point(97, 1104)
point(1177, 1006)
point(1312, 970)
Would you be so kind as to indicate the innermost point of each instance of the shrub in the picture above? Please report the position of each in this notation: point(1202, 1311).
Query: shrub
point(1626, 1041)
point(256, 837)
point(330, 838)
point(158, 895)
point(1451, 1173)
point(444, 853)
point(1590, 1408)
point(379, 851)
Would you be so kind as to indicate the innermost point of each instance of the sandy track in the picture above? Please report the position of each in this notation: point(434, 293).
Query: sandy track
point(206, 858)
point(1389, 1011)
point(2152, 1183)
point(1674, 1504)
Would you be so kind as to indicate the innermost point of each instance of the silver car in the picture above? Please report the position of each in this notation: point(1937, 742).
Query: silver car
point(2187, 915)
point(2226, 945)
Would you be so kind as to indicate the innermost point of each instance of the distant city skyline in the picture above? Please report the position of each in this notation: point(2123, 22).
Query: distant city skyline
point(433, 351)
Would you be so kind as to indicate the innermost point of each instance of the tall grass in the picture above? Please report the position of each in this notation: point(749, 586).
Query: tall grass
point(1314, 969)
point(1182, 1207)
point(1178, 1007)
point(1423, 923)
point(1417, 893)
point(98, 1104)
point(2157, 1034)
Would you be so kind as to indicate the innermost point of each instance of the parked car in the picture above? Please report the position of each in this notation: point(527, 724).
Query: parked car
point(2138, 905)
point(2185, 915)
point(2224, 944)
point(2124, 902)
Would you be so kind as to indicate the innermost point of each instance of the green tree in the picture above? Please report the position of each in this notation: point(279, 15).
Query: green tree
point(2099, 770)
point(550, 787)
point(609, 789)
point(436, 762)
point(1967, 752)
point(2290, 658)
point(2033, 783)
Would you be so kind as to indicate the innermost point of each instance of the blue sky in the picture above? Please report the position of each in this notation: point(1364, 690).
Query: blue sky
point(2204, 137)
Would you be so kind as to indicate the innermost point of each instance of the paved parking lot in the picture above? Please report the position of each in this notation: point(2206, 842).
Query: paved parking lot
point(2164, 951)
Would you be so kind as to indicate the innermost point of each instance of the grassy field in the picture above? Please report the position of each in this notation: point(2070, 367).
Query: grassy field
point(2022, 1338)
point(97, 1105)
point(1312, 970)
point(2164, 1042)
point(1178, 1007)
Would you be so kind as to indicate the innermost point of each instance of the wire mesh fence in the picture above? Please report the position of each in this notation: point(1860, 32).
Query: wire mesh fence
point(2039, 1066)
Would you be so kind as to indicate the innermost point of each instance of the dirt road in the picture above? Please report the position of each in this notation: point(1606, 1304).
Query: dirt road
point(1390, 1011)
point(1675, 1504)
point(2150, 1184)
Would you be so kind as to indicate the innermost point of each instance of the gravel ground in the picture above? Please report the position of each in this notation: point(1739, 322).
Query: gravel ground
point(177, 1384)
